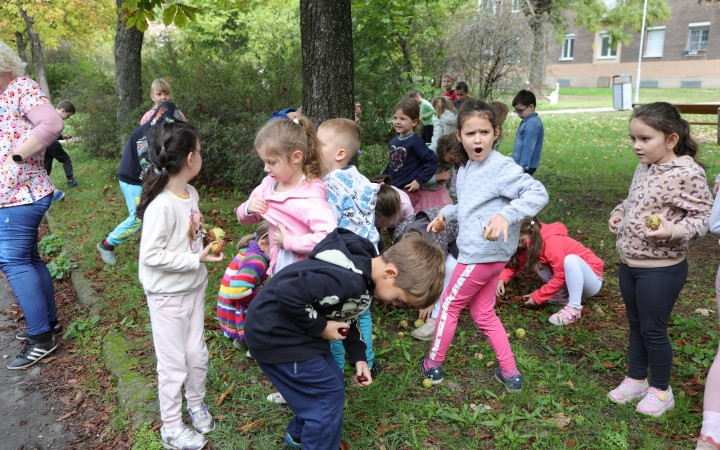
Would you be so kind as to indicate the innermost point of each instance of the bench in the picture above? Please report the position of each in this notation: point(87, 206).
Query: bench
point(698, 108)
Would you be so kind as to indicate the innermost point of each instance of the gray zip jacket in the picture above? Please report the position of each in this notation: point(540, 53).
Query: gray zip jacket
point(494, 186)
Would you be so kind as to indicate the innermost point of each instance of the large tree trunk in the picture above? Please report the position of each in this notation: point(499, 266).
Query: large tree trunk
point(128, 46)
point(20, 41)
point(37, 53)
point(538, 17)
point(327, 59)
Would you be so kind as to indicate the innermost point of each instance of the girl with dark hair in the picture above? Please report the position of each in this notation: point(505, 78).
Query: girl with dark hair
point(668, 204)
point(174, 278)
point(570, 269)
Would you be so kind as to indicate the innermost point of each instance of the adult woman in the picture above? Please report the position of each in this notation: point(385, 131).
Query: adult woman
point(28, 124)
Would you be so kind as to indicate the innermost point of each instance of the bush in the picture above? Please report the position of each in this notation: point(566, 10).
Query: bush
point(50, 245)
point(60, 267)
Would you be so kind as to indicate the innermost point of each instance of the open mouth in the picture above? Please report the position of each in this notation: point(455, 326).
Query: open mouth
point(478, 150)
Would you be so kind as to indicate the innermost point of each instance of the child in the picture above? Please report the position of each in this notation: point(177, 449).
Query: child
point(530, 134)
point(411, 163)
point(445, 121)
point(174, 279)
point(462, 93)
point(710, 432)
point(292, 196)
point(447, 82)
point(308, 303)
point(494, 195)
point(352, 199)
point(287, 113)
point(241, 283)
point(56, 151)
point(561, 261)
point(133, 165)
point(434, 192)
point(393, 205)
point(427, 114)
point(671, 186)
point(159, 92)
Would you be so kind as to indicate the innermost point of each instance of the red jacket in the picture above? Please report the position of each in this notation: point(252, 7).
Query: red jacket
point(451, 94)
point(556, 246)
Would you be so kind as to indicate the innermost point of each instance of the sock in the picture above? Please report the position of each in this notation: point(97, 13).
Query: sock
point(42, 337)
point(430, 364)
point(108, 245)
point(711, 425)
point(510, 373)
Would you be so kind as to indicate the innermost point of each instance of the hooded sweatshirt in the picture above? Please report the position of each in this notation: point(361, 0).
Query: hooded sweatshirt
point(556, 245)
point(352, 199)
point(285, 320)
point(302, 210)
point(677, 191)
point(445, 124)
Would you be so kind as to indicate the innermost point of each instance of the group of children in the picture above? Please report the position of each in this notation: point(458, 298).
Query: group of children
point(297, 296)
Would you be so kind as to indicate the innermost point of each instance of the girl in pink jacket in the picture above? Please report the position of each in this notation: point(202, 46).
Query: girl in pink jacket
point(292, 197)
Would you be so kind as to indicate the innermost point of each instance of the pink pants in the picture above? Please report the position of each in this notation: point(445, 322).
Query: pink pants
point(712, 386)
point(474, 284)
point(182, 357)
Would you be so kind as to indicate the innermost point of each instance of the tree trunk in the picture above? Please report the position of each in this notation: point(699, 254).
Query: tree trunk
point(128, 46)
point(37, 53)
point(327, 59)
point(20, 41)
point(538, 18)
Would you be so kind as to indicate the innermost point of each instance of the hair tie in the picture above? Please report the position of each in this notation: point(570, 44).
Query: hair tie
point(296, 121)
point(532, 222)
point(255, 235)
point(382, 183)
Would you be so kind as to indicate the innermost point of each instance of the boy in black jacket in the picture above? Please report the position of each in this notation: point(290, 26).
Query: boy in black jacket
point(307, 303)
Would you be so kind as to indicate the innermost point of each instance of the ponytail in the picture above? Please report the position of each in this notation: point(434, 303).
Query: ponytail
point(665, 118)
point(282, 137)
point(312, 163)
point(529, 226)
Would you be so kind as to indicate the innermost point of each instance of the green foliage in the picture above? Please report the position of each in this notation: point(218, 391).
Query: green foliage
point(60, 267)
point(51, 245)
point(138, 13)
point(146, 439)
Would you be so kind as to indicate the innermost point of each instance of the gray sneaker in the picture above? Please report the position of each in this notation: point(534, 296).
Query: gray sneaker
point(182, 438)
point(425, 332)
point(201, 419)
point(107, 254)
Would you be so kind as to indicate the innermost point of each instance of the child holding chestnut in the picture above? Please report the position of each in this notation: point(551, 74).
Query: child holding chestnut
point(318, 299)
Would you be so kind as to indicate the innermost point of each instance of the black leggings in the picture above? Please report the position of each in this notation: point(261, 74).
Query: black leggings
point(650, 295)
point(56, 151)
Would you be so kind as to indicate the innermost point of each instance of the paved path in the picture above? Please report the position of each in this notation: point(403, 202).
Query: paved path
point(575, 111)
point(27, 417)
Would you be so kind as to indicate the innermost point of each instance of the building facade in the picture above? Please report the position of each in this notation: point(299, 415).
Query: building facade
point(683, 52)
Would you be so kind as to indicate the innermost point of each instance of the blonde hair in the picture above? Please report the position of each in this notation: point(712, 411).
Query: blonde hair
point(420, 267)
point(10, 61)
point(346, 134)
point(160, 85)
point(261, 234)
point(447, 75)
point(442, 104)
point(282, 137)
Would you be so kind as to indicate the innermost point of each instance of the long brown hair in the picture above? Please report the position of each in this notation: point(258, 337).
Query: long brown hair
point(665, 118)
point(530, 226)
point(260, 235)
point(282, 137)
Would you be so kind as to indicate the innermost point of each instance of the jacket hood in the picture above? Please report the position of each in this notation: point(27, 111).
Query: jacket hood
point(448, 118)
point(346, 249)
point(682, 161)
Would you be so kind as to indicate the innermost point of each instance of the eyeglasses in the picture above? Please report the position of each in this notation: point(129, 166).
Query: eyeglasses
point(520, 111)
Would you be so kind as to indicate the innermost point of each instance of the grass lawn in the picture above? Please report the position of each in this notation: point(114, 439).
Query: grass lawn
point(587, 166)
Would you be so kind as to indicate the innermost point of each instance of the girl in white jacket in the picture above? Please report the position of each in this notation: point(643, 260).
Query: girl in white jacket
point(445, 120)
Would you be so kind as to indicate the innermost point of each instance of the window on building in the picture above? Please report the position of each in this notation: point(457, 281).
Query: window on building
point(606, 51)
point(698, 39)
point(655, 42)
point(568, 47)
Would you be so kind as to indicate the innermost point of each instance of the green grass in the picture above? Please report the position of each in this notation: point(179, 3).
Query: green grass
point(587, 166)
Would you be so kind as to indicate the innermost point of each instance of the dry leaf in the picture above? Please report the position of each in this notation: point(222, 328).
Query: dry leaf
point(225, 394)
point(703, 311)
point(105, 189)
point(252, 425)
point(561, 420)
point(221, 417)
point(156, 427)
point(344, 445)
point(570, 384)
point(66, 416)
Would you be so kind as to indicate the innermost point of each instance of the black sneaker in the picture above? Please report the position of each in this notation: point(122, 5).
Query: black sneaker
point(23, 335)
point(32, 352)
point(376, 369)
point(435, 374)
point(512, 384)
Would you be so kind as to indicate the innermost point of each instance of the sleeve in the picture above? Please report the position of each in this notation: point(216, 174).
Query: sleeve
point(243, 216)
point(153, 245)
point(437, 130)
point(530, 138)
point(715, 219)
point(333, 200)
point(555, 255)
point(354, 344)
point(509, 272)
point(697, 202)
point(450, 212)
point(48, 123)
point(528, 195)
point(428, 159)
point(321, 222)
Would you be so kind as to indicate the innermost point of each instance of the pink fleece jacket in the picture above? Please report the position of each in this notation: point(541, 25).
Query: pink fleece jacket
point(303, 211)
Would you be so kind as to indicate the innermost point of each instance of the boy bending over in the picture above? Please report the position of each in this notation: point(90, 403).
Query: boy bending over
point(316, 300)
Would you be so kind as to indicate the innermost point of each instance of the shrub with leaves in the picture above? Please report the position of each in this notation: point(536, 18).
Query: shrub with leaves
point(51, 245)
point(60, 267)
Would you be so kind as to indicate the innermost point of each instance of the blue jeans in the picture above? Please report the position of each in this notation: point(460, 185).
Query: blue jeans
point(27, 274)
point(338, 351)
point(132, 224)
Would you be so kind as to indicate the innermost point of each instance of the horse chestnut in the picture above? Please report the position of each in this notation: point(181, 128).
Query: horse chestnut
point(344, 331)
point(361, 378)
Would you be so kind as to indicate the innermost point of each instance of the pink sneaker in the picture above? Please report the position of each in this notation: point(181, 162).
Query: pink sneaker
point(707, 443)
point(565, 316)
point(656, 402)
point(628, 391)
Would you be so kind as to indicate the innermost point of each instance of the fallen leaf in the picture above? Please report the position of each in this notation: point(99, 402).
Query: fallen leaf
point(344, 445)
point(607, 365)
point(66, 416)
point(225, 394)
point(384, 429)
point(570, 384)
point(703, 311)
point(221, 417)
point(252, 425)
point(156, 427)
point(561, 420)
point(105, 189)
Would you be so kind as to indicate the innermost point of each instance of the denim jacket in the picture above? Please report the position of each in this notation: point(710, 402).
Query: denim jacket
point(529, 142)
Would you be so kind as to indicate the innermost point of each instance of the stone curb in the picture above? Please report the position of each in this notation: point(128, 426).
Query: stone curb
point(133, 389)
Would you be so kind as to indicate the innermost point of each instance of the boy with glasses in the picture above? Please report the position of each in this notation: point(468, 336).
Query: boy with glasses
point(530, 134)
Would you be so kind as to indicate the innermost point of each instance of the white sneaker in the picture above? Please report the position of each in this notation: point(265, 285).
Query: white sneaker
point(425, 332)
point(182, 438)
point(276, 398)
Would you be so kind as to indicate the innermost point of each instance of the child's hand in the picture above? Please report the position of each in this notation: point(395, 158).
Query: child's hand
point(279, 236)
point(613, 223)
point(500, 291)
point(331, 332)
point(528, 300)
point(206, 257)
point(663, 232)
point(443, 176)
point(257, 205)
point(426, 312)
point(66, 137)
point(497, 226)
point(431, 226)
point(414, 186)
point(362, 370)
point(715, 188)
